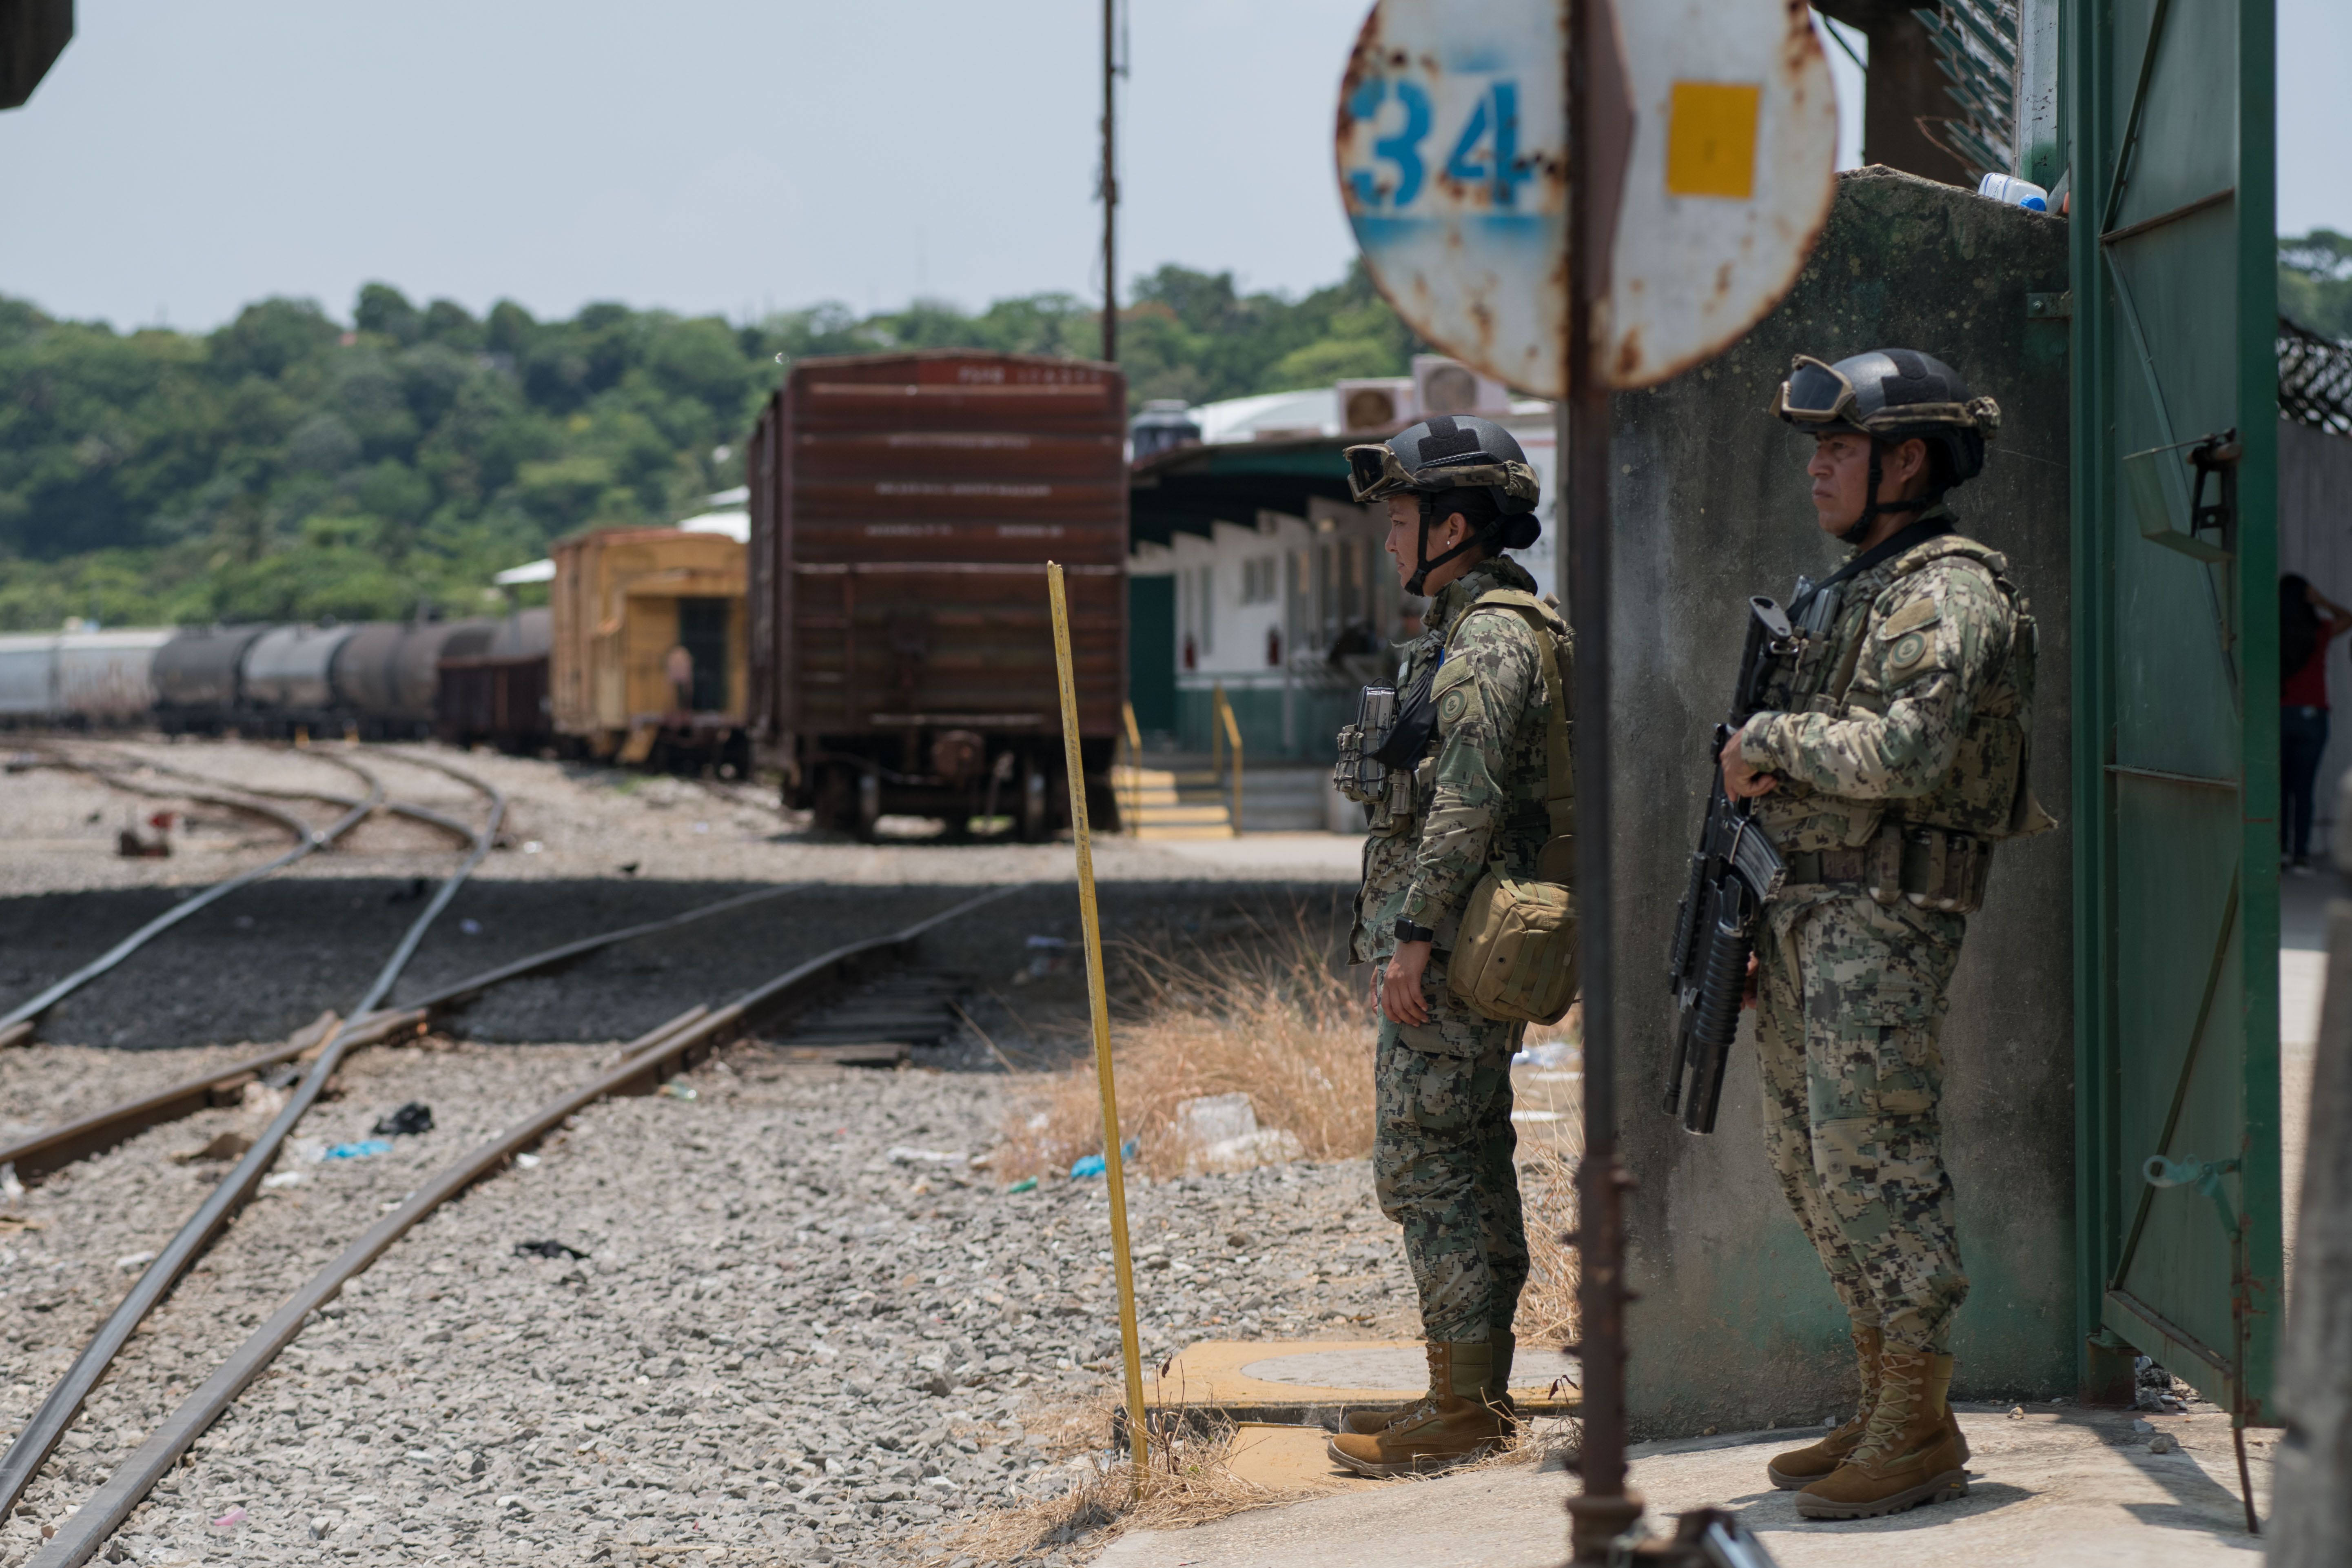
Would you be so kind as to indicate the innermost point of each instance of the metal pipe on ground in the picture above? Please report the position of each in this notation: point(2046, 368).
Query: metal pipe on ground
point(41, 1434)
point(45, 1151)
point(681, 1041)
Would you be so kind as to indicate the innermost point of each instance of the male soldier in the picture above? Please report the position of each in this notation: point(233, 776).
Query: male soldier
point(1896, 756)
point(1464, 784)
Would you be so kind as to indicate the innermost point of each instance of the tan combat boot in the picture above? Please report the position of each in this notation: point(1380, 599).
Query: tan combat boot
point(1910, 1454)
point(1802, 1466)
point(1382, 1415)
point(1460, 1419)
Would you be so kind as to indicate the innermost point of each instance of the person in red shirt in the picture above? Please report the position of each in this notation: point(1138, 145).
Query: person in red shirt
point(2309, 622)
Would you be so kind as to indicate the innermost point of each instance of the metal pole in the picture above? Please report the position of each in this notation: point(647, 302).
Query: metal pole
point(1109, 188)
point(1139, 1433)
point(1606, 1510)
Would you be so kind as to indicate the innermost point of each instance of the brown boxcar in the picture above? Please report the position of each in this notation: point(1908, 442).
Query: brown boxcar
point(903, 510)
point(493, 684)
point(648, 654)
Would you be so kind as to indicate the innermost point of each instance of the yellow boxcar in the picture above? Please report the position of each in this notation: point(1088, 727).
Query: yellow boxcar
point(651, 647)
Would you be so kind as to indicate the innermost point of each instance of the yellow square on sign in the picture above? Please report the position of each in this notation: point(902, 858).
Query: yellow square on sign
point(1711, 139)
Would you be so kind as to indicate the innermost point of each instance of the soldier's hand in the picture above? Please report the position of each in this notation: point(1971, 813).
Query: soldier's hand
point(1748, 991)
point(1741, 782)
point(1400, 998)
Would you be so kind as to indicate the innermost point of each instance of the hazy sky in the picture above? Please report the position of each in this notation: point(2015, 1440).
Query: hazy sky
point(720, 155)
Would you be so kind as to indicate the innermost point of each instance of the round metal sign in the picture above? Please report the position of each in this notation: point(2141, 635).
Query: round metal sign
point(1452, 167)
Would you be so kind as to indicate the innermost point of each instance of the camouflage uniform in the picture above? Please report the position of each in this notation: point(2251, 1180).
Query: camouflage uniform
point(1909, 710)
point(1443, 1153)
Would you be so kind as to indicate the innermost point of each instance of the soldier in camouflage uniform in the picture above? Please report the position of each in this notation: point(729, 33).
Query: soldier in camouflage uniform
point(1465, 776)
point(1894, 759)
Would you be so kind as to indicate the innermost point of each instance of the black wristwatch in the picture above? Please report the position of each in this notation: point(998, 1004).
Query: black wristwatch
point(1408, 932)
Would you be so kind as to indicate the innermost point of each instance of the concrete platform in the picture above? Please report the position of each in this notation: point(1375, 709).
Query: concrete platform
point(1311, 1383)
point(2057, 1490)
point(1290, 1458)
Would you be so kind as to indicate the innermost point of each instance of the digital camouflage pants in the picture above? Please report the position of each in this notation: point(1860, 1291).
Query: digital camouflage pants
point(1442, 1164)
point(1850, 1000)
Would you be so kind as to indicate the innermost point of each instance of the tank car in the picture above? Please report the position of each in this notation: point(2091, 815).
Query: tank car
point(108, 676)
point(386, 676)
point(198, 683)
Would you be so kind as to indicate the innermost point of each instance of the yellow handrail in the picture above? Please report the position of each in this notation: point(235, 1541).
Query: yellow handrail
point(1133, 812)
point(1232, 732)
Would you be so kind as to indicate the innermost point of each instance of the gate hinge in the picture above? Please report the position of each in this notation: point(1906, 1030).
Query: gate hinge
point(2048, 307)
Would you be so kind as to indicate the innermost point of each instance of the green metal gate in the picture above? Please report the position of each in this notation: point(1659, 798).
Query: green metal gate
point(2169, 111)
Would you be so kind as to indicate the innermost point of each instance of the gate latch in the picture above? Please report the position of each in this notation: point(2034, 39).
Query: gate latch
point(2216, 457)
point(2153, 485)
point(2204, 1174)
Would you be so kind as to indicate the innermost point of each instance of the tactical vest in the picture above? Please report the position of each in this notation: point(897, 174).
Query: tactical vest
point(1985, 794)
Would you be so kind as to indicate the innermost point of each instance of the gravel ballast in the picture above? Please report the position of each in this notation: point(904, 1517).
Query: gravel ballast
point(795, 1334)
point(803, 1331)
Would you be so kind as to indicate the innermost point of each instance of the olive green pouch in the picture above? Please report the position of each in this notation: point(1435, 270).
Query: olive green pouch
point(1515, 957)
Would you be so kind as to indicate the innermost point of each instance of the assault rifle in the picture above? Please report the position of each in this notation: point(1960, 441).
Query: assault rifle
point(1733, 871)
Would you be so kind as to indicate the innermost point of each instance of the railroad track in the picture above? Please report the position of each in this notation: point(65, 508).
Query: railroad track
point(644, 1062)
point(120, 770)
point(56, 1412)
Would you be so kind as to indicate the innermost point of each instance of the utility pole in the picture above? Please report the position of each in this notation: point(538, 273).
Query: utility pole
point(1109, 184)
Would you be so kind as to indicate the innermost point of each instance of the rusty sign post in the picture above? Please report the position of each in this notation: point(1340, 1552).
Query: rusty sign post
point(1579, 199)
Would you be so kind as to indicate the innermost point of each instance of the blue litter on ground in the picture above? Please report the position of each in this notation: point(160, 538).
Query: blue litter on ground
point(359, 1151)
point(1092, 1165)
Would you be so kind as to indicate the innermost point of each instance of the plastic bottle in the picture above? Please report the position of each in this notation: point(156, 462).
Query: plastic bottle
point(2016, 193)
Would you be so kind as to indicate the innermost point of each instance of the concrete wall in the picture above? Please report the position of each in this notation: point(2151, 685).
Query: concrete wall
point(2315, 538)
point(1736, 1326)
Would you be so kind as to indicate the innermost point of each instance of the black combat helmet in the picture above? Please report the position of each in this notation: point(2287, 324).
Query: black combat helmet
point(1447, 453)
point(1893, 395)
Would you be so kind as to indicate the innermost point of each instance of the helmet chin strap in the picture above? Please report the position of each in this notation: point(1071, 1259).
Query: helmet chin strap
point(1421, 573)
point(1871, 510)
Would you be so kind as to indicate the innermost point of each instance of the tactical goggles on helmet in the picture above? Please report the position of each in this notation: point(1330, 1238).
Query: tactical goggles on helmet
point(1816, 393)
point(1822, 397)
point(1374, 472)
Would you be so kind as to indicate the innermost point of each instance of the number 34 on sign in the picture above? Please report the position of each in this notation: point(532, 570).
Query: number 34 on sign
point(1452, 164)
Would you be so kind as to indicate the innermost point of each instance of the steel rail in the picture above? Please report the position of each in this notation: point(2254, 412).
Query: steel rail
point(116, 777)
point(307, 839)
point(40, 1434)
point(41, 1153)
point(423, 814)
point(673, 1045)
point(54, 1148)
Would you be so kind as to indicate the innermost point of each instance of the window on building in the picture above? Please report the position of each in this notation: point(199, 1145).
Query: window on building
point(1258, 585)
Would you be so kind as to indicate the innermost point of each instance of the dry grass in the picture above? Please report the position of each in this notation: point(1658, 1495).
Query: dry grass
point(1267, 1018)
point(1188, 1481)
point(1548, 1315)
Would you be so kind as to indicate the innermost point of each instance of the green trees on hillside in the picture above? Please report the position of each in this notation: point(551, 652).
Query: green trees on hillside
point(286, 466)
point(2315, 282)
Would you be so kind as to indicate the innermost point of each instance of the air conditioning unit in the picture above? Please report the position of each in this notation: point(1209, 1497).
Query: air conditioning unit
point(1443, 385)
point(1375, 405)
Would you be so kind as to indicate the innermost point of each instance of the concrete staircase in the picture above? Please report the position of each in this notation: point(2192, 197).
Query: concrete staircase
point(1174, 802)
point(1183, 798)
